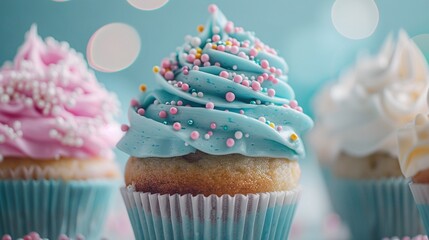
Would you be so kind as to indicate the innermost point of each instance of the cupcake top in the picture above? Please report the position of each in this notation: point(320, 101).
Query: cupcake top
point(413, 140)
point(359, 114)
point(52, 106)
point(222, 92)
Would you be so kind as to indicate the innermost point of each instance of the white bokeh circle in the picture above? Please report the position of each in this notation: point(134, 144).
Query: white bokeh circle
point(113, 47)
point(147, 5)
point(355, 19)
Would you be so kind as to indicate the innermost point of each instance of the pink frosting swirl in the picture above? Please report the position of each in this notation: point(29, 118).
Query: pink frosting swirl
point(52, 106)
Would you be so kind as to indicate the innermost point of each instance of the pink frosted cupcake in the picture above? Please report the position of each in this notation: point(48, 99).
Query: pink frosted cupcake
point(56, 138)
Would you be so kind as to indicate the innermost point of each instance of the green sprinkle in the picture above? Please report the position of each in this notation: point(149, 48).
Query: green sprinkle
point(190, 122)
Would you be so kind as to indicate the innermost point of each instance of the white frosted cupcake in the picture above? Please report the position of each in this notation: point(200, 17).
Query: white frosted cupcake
point(355, 138)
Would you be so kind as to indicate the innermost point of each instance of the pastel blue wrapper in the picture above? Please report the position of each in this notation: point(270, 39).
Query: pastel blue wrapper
point(54, 207)
point(374, 209)
point(421, 197)
point(252, 216)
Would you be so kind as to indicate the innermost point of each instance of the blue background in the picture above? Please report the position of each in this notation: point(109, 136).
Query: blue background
point(301, 31)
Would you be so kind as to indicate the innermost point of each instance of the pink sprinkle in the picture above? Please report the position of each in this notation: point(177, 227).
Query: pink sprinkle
point(241, 111)
point(272, 69)
point(210, 133)
point(271, 77)
point(134, 103)
point(165, 63)
point(196, 68)
point(265, 76)
point(230, 96)
point(141, 111)
point(234, 49)
point(256, 86)
point(213, 125)
point(209, 105)
point(216, 38)
point(207, 64)
point(212, 8)
point(245, 83)
point(186, 72)
point(230, 142)
point(185, 87)
point(253, 52)
point(299, 109)
point(27, 237)
point(162, 114)
point(124, 127)
point(177, 126)
point(7, 237)
point(173, 110)
point(229, 27)
point(197, 62)
point(179, 103)
point(243, 55)
point(205, 57)
point(179, 84)
point(217, 64)
point(162, 71)
point(190, 58)
point(238, 78)
point(286, 106)
point(260, 79)
point(279, 128)
point(279, 72)
point(275, 81)
point(245, 44)
point(221, 48)
point(271, 92)
point(264, 64)
point(224, 74)
point(169, 75)
point(293, 104)
point(195, 135)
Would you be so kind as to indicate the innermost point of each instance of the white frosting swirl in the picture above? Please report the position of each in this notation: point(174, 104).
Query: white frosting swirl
point(359, 114)
point(413, 140)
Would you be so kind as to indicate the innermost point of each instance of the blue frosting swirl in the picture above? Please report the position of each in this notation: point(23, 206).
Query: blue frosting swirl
point(222, 92)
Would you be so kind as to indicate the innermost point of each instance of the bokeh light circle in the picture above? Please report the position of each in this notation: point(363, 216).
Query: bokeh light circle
point(113, 47)
point(422, 41)
point(355, 19)
point(147, 5)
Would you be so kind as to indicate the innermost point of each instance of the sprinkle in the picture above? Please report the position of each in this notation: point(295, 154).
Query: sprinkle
point(293, 137)
point(134, 103)
point(194, 94)
point(221, 48)
point(229, 27)
point(262, 119)
point(256, 86)
point(238, 135)
point(230, 96)
point(246, 135)
point(162, 114)
point(124, 127)
point(200, 28)
point(185, 87)
point(195, 135)
point(190, 122)
point(216, 29)
point(141, 111)
point(225, 127)
point(173, 110)
point(238, 78)
point(213, 125)
point(293, 104)
point(209, 105)
point(143, 88)
point(245, 83)
point(230, 142)
point(216, 38)
point(207, 136)
point(196, 41)
point(169, 75)
point(179, 103)
point(253, 52)
point(264, 64)
point(205, 57)
point(234, 49)
point(196, 68)
point(271, 92)
point(272, 125)
point(241, 111)
point(243, 55)
point(234, 67)
point(155, 69)
point(165, 122)
point(210, 133)
point(177, 126)
point(279, 128)
point(224, 74)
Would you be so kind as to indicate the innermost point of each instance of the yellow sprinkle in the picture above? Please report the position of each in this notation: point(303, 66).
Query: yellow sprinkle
point(155, 69)
point(293, 137)
point(200, 28)
point(199, 50)
point(198, 55)
point(228, 43)
point(272, 125)
point(214, 46)
point(143, 87)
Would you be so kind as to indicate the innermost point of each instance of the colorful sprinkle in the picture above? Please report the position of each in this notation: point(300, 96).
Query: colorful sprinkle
point(224, 74)
point(195, 135)
point(238, 135)
point(177, 126)
point(271, 92)
point(141, 111)
point(190, 122)
point(230, 142)
point(155, 69)
point(256, 86)
point(162, 114)
point(293, 137)
point(206, 136)
point(200, 28)
point(185, 87)
point(238, 78)
point(279, 128)
point(124, 127)
point(134, 103)
point(213, 125)
point(209, 105)
point(143, 88)
point(230, 96)
point(205, 57)
point(262, 119)
point(293, 104)
point(173, 110)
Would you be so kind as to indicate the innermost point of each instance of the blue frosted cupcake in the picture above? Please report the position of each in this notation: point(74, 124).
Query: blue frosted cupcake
point(57, 171)
point(355, 139)
point(214, 151)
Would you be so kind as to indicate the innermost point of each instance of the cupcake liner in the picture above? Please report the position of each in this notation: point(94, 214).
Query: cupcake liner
point(252, 216)
point(421, 197)
point(54, 207)
point(374, 209)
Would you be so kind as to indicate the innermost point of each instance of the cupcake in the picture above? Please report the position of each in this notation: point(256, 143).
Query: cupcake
point(355, 139)
point(413, 140)
point(214, 151)
point(57, 170)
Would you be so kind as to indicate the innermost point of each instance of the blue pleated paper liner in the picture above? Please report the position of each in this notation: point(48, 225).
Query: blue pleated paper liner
point(421, 197)
point(374, 209)
point(239, 217)
point(54, 207)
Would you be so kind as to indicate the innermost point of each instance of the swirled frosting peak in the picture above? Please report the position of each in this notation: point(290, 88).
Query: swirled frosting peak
point(52, 106)
point(362, 111)
point(222, 92)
